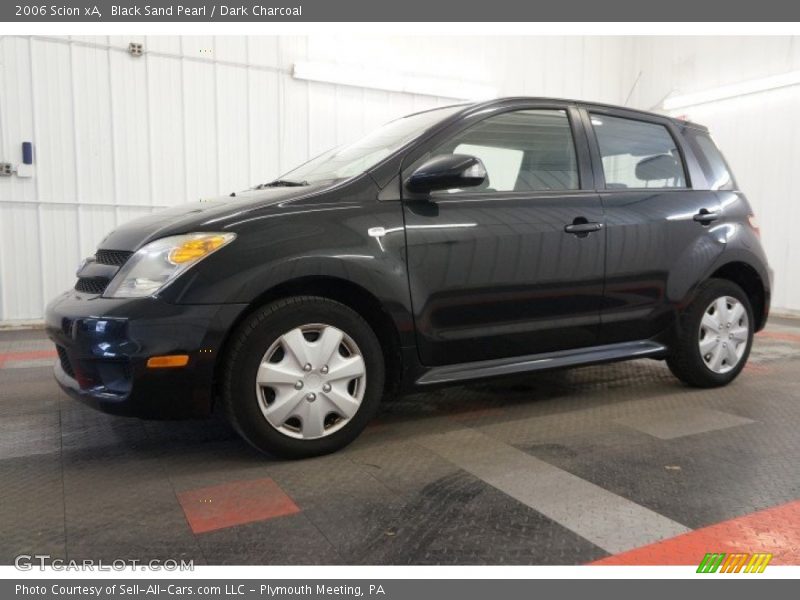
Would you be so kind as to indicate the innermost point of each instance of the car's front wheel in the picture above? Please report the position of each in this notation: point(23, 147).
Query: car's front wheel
point(303, 377)
point(715, 334)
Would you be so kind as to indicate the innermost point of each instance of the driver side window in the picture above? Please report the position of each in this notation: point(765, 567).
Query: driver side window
point(523, 151)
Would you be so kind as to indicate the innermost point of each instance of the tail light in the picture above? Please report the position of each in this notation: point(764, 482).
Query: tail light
point(751, 218)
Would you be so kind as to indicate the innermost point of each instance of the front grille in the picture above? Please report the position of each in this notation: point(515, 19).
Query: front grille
point(97, 285)
point(116, 258)
point(64, 360)
point(91, 285)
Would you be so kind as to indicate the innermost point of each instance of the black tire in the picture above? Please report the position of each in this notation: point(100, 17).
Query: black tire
point(685, 360)
point(254, 336)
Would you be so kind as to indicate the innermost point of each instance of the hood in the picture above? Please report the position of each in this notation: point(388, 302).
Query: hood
point(206, 215)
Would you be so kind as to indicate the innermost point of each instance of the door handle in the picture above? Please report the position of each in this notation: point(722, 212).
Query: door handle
point(583, 228)
point(705, 216)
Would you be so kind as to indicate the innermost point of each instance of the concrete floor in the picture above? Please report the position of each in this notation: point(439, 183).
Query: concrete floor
point(566, 467)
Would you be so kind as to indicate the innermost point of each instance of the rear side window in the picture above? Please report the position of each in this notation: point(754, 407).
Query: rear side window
point(711, 161)
point(637, 154)
point(523, 151)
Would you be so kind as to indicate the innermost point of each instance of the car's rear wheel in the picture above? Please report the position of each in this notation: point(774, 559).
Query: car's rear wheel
point(303, 377)
point(715, 334)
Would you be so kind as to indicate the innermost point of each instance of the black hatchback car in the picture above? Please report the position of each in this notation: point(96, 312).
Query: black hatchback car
point(455, 244)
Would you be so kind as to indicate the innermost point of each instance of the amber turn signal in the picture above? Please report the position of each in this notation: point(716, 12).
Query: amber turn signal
point(195, 249)
point(170, 361)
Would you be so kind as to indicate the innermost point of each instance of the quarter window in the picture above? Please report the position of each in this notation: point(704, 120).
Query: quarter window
point(637, 154)
point(523, 151)
point(711, 160)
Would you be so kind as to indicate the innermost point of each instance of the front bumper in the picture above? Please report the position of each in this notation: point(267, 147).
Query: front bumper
point(103, 345)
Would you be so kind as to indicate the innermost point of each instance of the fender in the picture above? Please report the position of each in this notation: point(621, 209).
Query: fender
point(332, 241)
point(388, 284)
point(741, 246)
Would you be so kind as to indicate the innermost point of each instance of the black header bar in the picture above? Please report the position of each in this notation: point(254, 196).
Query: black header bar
point(401, 11)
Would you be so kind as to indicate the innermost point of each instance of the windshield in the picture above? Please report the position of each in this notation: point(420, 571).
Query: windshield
point(355, 158)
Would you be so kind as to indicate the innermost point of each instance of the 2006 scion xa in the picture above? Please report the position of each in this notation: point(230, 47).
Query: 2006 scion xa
point(455, 244)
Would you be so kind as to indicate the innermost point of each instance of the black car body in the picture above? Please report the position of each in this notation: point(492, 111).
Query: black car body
point(571, 269)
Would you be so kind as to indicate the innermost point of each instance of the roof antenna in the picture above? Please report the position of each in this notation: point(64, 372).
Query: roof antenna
point(633, 87)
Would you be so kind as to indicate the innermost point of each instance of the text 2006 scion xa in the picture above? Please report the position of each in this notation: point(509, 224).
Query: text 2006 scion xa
point(455, 244)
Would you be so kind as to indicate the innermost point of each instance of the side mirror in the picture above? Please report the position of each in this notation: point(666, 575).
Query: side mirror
point(445, 172)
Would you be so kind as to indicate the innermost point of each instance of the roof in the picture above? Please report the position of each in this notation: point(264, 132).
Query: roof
point(588, 104)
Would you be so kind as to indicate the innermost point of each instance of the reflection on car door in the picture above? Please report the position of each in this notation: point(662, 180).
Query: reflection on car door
point(492, 271)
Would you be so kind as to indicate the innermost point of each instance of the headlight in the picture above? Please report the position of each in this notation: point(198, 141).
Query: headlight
point(158, 263)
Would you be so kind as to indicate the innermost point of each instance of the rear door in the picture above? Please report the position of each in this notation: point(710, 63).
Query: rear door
point(494, 272)
point(656, 230)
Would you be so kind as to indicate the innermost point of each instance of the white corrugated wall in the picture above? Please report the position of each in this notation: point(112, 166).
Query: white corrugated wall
point(116, 136)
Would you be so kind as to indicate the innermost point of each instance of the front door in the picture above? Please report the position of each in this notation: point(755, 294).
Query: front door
point(515, 267)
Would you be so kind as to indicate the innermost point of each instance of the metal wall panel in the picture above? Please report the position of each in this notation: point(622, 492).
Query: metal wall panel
point(130, 128)
point(233, 128)
point(16, 114)
point(263, 122)
point(20, 261)
point(54, 121)
point(59, 247)
point(322, 111)
point(91, 93)
point(200, 126)
point(166, 153)
point(117, 136)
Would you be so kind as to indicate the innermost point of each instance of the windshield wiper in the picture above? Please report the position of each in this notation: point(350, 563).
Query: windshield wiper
point(281, 183)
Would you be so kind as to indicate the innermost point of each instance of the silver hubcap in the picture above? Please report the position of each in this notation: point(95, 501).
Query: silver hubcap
point(724, 333)
point(311, 381)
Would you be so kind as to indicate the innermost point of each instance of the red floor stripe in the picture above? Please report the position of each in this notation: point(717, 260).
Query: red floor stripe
point(775, 530)
point(31, 355)
point(779, 335)
point(234, 503)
